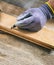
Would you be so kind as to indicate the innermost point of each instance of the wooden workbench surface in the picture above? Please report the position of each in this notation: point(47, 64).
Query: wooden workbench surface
point(16, 51)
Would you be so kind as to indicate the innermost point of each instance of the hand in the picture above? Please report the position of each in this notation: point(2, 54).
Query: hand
point(33, 19)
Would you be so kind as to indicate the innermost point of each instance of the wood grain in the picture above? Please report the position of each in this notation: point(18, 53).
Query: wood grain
point(44, 37)
point(10, 8)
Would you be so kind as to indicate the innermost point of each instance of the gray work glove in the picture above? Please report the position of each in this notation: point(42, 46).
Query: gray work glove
point(34, 18)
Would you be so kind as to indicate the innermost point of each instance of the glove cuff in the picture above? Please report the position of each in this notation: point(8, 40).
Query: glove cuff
point(47, 10)
point(50, 7)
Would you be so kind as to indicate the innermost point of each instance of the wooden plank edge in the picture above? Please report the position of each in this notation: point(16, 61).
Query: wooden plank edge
point(15, 33)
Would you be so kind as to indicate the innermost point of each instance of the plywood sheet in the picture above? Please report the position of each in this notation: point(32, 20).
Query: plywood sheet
point(44, 37)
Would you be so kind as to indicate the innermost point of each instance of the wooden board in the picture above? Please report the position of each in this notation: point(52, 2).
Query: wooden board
point(44, 37)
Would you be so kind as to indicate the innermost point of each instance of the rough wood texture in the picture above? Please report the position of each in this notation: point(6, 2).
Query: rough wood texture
point(44, 37)
point(10, 9)
point(16, 51)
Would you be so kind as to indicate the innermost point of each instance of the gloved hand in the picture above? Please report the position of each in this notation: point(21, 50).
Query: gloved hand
point(34, 18)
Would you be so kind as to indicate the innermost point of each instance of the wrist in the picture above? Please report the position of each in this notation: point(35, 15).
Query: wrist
point(51, 5)
point(47, 10)
point(51, 2)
